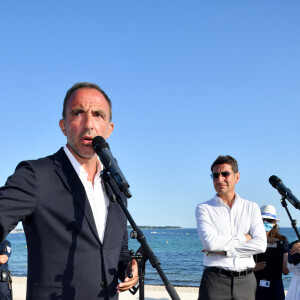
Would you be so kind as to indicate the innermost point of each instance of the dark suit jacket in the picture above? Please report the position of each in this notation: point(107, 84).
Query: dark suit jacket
point(66, 259)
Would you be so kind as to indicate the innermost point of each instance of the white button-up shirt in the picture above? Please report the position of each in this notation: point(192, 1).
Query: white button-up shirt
point(95, 193)
point(223, 229)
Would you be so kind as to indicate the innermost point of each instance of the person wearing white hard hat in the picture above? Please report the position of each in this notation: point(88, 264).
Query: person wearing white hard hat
point(273, 263)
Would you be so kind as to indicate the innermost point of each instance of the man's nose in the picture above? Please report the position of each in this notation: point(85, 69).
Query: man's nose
point(89, 124)
point(220, 178)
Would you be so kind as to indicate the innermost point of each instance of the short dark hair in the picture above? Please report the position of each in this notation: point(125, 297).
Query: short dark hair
point(86, 85)
point(226, 159)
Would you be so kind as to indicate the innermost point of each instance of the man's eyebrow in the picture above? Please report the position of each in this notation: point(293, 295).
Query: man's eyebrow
point(76, 110)
point(99, 111)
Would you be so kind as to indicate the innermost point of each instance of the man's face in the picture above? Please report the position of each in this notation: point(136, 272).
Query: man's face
point(224, 185)
point(87, 116)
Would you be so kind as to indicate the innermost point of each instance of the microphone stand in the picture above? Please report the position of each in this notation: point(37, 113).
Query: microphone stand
point(116, 197)
point(295, 258)
point(141, 258)
point(293, 221)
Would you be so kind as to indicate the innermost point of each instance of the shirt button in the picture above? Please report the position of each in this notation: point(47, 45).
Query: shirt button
point(103, 284)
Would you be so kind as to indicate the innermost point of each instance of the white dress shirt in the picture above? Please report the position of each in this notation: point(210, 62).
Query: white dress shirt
point(96, 194)
point(223, 229)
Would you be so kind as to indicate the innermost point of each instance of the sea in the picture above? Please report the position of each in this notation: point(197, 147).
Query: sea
point(178, 250)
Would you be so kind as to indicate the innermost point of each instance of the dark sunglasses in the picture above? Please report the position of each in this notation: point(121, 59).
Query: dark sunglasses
point(223, 174)
point(272, 221)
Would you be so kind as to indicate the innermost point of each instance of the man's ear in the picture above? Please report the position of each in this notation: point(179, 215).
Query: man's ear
point(62, 126)
point(110, 129)
point(237, 177)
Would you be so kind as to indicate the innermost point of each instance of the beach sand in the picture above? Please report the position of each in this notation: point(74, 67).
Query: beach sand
point(152, 292)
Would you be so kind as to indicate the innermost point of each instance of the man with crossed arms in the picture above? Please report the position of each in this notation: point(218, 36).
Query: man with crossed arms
point(231, 231)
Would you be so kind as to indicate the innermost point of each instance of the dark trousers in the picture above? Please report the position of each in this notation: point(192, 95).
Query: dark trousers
point(5, 292)
point(215, 286)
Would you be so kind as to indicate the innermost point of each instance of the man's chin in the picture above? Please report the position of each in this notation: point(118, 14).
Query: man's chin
point(84, 154)
point(221, 192)
point(87, 155)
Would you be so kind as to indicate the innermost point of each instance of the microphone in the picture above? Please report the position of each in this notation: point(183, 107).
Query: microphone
point(102, 149)
point(284, 191)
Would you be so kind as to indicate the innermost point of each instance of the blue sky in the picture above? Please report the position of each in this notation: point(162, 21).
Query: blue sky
point(189, 80)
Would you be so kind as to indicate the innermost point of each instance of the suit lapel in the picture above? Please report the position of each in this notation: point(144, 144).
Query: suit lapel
point(112, 228)
point(115, 218)
point(74, 185)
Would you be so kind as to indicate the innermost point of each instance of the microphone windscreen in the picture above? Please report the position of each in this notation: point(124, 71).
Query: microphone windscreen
point(99, 143)
point(274, 180)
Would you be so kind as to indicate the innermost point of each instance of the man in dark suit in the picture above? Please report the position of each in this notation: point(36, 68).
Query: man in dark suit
point(77, 240)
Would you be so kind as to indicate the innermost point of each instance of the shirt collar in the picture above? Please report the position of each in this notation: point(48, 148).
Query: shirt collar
point(220, 201)
point(81, 172)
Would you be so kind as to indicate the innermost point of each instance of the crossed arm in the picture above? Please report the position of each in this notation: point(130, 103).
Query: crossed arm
point(215, 238)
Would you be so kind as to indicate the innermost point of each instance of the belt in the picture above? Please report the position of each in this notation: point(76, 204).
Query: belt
point(229, 273)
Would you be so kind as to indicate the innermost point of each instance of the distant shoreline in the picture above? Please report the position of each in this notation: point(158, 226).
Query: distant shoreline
point(20, 230)
point(156, 227)
point(129, 227)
